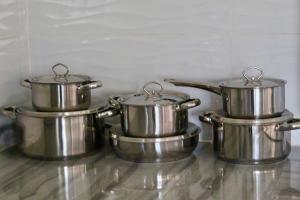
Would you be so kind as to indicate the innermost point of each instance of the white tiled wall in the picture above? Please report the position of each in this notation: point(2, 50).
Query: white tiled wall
point(13, 59)
point(127, 42)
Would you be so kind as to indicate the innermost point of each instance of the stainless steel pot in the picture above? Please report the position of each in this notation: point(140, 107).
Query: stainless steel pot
point(61, 91)
point(251, 141)
point(155, 149)
point(251, 97)
point(59, 135)
point(154, 113)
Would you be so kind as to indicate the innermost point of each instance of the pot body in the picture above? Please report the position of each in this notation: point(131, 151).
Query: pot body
point(60, 137)
point(153, 121)
point(249, 103)
point(250, 144)
point(155, 149)
point(60, 97)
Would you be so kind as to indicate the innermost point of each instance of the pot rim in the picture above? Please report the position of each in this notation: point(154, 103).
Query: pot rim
point(286, 115)
point(280, 82)
point(29, 111)
point(85, 79)
point(192, 131)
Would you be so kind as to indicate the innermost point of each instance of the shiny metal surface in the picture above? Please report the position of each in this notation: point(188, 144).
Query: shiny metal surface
point(154, 114)
point(251, 144)
point(59, 138)
point(251, 98)
point(154, 149)
point(64, 92)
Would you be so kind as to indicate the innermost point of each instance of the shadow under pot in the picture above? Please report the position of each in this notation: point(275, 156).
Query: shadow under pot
point(247, 141)
point(154, 113)
point(250, 97)
point(61, 91)
point(59, 135)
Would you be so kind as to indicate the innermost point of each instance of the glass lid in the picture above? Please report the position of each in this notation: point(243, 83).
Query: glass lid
point(60, 76)
point(150, 97)
point(253, 78)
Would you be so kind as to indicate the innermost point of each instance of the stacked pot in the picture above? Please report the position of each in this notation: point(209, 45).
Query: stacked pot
point(154, 125)
point(62, 122)
point(254, 126)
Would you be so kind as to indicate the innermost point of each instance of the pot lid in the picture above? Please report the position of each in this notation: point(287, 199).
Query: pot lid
point(60, 77)
point(286, 115)
point(153, 97)
point(253, 78)
point(28, 110)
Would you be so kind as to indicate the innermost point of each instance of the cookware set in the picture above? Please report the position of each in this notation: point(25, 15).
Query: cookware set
point(63, 122)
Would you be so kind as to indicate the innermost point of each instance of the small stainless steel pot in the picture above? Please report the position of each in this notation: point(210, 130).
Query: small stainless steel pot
point(251, 97)
point(251, 141)
point(61, 92)
point(59, 135)
point(155, 149)
point(154, 113)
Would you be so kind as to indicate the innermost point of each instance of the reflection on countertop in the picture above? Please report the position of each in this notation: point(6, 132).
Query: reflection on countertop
point(104, 176)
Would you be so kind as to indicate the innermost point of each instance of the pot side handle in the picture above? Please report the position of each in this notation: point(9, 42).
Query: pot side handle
point(211, 87)
point(187, 104)
point(292, 124)
point(90, 85)
point(26, 83)
point(206, 118)
point(108, 112)
point(9, 111)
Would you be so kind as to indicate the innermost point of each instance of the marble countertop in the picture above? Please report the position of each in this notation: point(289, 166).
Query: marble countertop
point(104, 176)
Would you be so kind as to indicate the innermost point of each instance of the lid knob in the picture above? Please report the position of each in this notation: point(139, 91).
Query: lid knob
point(253, 77)
point(152, 92)
point(57, 74)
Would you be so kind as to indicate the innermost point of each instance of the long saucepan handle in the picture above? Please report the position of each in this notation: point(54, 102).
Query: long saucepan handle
point(292, 124)
point(211, 87)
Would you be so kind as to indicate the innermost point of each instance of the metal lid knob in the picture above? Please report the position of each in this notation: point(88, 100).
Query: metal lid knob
point(152, 92)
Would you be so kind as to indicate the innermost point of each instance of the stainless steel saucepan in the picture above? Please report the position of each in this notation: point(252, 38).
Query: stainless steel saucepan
point(251, 141)
point(250, 97)
point(154, 113)
point(61, 91)
point(59, 135)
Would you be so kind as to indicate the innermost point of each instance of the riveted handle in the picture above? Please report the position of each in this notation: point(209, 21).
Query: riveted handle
point(109, 112)
point(26, 83)
point(91, 85)
point(292, 124)
point(9, 111)
point(114, 102)
point(253, 78)
point(54, 69)
point(187, 104)
point(152, 92)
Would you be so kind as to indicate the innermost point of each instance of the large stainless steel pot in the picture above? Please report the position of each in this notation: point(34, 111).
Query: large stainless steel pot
point(155, 149)
point(154, 113)
point(61, 91)
point(251, 97)
point(251, 141)
point(59, 135)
